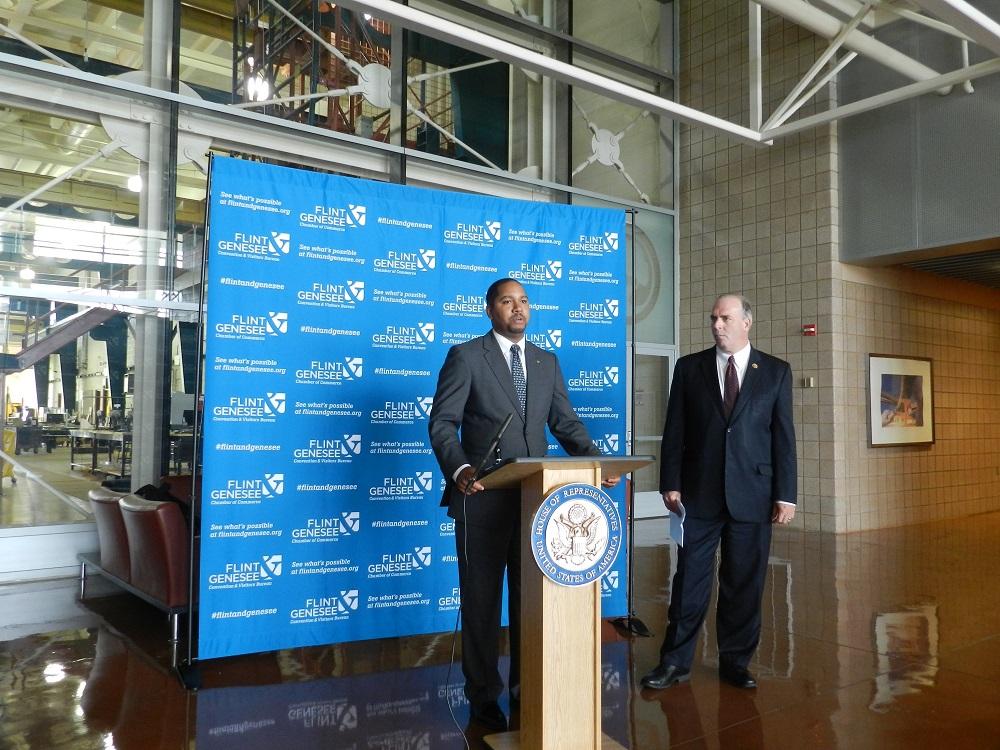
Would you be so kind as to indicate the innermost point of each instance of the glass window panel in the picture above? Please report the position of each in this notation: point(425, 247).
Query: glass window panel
point(641, 30)
point(69, 379)
point(653, 256)
point(620, 150)
point(459, 103)
point(650, 389)
point(97, 37)
point(319, 64)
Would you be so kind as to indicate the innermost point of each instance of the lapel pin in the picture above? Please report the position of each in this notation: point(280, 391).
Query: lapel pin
point(754, 365)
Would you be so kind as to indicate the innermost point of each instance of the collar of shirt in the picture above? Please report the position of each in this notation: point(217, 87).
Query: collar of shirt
point(742, 358)
point(505, 345)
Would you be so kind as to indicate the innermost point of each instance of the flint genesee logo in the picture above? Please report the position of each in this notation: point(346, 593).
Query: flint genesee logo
point(254, 409)
point(248, 491)
point(328, 607)
point(252, 327)
point(335, 218)
point(403, 412)
point(404, 263)
point(344, 296)
point(327, 372)
point(465, 306)
point(269, 246)
point(549, 341)
point(539, 274)
point(247, 574)
point(450, 602)
point(602, 313)
point(576, 534)
point(338, 714)
point(477, 235)
point(328, 528)
point(594, 244)
point(398, 564)
point(404, 337)
point(328, 450)
point(609, 583)
point(403, 487)
point(608, 444)
point(594, 380)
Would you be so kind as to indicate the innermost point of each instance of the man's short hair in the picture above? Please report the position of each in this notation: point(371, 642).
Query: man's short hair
point(744, 303)
point(494, 291)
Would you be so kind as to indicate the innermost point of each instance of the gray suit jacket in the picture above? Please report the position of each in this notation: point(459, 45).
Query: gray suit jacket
point(475, 393)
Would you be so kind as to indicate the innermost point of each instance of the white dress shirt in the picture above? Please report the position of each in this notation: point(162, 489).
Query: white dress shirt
point(505, 347)
point(742, 358)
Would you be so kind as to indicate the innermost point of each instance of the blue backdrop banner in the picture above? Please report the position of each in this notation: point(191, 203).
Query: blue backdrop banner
point(332, 303)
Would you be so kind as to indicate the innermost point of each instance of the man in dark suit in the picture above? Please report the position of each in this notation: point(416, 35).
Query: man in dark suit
point(728, 454)
point(481, 382)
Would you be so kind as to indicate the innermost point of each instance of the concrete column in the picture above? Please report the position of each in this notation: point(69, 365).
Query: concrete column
point(150, 405)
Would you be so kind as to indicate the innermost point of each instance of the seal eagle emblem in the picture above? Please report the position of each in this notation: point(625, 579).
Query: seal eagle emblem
point(576, 534)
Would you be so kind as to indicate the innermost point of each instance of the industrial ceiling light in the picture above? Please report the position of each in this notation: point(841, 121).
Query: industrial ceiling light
point(135, 183)
point(26, 274)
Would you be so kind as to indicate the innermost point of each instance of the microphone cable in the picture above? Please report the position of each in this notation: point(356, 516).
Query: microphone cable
point(458, 617)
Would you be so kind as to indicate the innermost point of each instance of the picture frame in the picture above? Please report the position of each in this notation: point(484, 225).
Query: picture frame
point(900, 401)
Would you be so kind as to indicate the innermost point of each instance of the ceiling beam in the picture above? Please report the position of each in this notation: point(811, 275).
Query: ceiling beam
point(972, 22)
point(889, 97)
point(523, 57)
point(214, 19)
point(825, 25)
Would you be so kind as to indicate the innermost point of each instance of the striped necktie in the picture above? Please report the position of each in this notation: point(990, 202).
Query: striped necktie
point(732, 388)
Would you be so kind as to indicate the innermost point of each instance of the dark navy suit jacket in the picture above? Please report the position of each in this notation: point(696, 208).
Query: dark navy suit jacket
point(742, 464)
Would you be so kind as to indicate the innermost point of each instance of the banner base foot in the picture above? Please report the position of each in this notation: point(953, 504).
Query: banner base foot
point(189, 675)
point(632, 625)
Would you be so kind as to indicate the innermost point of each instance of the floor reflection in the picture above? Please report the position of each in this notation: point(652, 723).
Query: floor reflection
point(883, 640)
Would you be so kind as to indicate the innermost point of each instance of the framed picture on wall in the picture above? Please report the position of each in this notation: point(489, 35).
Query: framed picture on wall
point(900, 401)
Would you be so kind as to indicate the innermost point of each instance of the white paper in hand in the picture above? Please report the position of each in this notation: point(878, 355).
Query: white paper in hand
point(677, 526)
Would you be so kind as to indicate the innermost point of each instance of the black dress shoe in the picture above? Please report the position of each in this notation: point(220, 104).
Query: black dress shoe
point(737, 676)
point(665, 675)
point(489, 715)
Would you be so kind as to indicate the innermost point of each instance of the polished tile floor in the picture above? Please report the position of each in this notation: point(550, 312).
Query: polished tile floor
point(26, 498)
point(886, 639)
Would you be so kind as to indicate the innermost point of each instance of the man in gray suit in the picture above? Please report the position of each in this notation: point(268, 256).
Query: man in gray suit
point(482, 382)
point(728, 455)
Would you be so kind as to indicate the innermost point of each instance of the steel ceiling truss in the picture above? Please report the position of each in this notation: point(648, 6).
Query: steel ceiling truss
point(847, 23)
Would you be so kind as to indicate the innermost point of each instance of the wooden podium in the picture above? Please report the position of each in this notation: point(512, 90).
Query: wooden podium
point(560, 625)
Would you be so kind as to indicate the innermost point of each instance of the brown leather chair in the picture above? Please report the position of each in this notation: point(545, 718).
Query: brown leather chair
point(111, 534)
point(158, 550)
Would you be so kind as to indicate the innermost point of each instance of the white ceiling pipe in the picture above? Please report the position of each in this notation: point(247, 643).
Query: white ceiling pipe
point(850, 8)
point(515, 54)
point(827, 26)
point(974, 23)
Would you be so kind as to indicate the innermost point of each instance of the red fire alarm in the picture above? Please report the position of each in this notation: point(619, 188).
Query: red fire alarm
point(808, 329)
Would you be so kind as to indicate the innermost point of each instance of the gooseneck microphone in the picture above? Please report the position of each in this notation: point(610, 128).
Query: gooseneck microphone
point(494, 444)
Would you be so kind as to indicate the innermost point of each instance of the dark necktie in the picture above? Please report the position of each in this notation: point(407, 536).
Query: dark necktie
point(517, 372)
point(732, 388)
